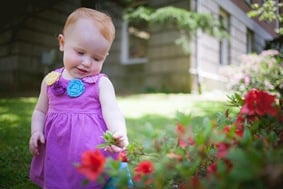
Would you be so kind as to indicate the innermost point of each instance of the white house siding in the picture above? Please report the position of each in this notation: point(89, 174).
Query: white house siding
point(208, 48)
point(168, 66)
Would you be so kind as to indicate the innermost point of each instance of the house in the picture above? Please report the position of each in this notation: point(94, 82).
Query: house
point(246, 36)
point(142, 58)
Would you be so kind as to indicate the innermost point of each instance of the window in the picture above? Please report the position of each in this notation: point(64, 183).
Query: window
point(250, 41)
point(224, 50)
point(135, 38)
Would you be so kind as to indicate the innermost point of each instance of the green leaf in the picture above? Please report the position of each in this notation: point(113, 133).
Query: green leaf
point(108, 140)
point(204, 132)
point(242, 165)
point(183, 118)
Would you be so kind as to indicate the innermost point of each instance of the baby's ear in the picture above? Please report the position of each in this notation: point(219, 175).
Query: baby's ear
point(61, 42)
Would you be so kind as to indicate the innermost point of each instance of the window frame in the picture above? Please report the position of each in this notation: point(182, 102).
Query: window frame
point(249, 41)
point(125, 57)
point(225, 53)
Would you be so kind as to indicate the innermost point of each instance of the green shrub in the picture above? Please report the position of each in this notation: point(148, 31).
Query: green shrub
point(242, 150)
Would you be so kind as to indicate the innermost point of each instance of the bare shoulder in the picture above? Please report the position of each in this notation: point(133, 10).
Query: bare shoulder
point(105, 84)
point(42, 103)
point(106, 90)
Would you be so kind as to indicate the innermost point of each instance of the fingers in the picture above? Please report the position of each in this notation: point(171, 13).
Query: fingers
point(114, 149)
point(42, 139)
point(33, 147)
point(34, 142)
point(119, 141)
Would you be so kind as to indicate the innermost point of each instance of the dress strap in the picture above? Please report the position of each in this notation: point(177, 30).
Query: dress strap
point(60, 70)
point(93, 79)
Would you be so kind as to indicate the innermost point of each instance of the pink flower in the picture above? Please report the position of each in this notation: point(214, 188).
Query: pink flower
point(269, 52)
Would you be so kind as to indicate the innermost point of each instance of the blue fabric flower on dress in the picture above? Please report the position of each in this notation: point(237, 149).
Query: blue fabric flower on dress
point(75, 88)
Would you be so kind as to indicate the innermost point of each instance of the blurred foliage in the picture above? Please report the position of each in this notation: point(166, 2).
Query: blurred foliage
point(242, 150)
point(187, 22)
point(268, 11)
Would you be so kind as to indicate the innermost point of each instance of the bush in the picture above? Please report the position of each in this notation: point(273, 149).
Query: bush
point(262, 71)
point(241, 150)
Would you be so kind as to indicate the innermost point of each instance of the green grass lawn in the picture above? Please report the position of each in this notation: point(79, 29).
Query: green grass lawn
point(147, 116)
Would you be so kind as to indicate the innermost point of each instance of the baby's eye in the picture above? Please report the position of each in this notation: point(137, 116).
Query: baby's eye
point(80, 53)
point(96, 59)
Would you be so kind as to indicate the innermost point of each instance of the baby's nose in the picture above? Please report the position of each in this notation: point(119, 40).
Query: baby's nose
point(86, 61)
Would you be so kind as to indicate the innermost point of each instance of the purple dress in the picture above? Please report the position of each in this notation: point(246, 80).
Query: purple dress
point(73, 125)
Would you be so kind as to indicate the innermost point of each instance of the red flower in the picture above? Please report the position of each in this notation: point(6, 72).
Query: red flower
point(143, 168)
point(180, 129)
point(212, 168)
point(92, 164)
point(180, 132)
point(238, 128)
point(258, 102)
point(191, 141)
point(122, 156)
point(222, 149)
point(182, 141)
point(195, 181)
point(227, 129)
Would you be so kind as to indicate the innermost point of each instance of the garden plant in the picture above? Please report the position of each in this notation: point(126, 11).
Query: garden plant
point(242, 150)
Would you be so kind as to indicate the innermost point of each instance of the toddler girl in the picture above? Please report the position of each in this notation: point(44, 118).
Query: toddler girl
point(76, 105)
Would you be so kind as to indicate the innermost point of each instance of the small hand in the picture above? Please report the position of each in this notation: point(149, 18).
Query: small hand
point(119, 141)
point(114, 149)
point(36, 139)
point(118, 144)
point(113, 142)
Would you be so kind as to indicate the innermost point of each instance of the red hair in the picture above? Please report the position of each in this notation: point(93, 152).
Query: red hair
point(100, 19)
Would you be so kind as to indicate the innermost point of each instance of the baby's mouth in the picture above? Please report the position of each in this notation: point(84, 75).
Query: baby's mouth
point(82, 70)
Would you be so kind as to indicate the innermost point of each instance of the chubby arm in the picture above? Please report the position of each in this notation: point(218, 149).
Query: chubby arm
point(112, 115)
point(37, 121)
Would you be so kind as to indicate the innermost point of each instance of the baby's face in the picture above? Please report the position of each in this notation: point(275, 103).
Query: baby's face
point(85, 49)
